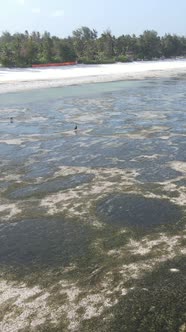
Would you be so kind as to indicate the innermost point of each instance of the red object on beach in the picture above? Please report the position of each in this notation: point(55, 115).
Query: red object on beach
point(55, 64)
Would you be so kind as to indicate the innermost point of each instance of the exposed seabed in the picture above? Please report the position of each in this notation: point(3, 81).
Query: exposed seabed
point(92, 222)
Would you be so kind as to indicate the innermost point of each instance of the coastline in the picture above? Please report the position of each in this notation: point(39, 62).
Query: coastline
point(75, 255)
point(13, 80)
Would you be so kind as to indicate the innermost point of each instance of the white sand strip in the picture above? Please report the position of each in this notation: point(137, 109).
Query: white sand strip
point(33, 78)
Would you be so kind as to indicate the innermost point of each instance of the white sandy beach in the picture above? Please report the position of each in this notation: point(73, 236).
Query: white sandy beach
point(24, 79)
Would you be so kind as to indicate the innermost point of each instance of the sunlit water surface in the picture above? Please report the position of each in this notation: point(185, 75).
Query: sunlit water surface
point(73, 197)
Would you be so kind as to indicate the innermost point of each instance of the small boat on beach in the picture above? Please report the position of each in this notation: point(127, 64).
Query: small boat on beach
point(58, 64)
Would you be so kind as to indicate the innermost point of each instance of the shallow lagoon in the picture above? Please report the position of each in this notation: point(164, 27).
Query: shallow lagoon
point(73, 250)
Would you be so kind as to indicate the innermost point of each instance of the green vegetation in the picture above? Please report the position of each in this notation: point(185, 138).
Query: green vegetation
point(24, 49)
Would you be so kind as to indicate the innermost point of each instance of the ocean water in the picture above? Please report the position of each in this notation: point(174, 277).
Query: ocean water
point(72, 200)
point(117, 124)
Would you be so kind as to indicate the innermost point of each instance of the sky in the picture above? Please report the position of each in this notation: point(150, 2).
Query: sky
point(61, 17)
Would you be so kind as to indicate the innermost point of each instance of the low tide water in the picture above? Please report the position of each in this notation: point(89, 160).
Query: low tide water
point(93, 213)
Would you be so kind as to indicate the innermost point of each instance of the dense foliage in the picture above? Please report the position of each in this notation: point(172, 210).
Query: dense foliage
point(24, 49)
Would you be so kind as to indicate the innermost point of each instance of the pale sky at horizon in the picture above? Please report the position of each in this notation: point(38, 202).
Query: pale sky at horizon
point(61, 17)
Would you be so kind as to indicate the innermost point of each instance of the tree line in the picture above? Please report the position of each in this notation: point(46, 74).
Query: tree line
point(84, 46)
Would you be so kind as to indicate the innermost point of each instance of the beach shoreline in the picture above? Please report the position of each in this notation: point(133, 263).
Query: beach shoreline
point(18, 79)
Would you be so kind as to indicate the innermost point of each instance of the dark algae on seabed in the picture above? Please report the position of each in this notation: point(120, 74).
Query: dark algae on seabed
point(92, 226)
